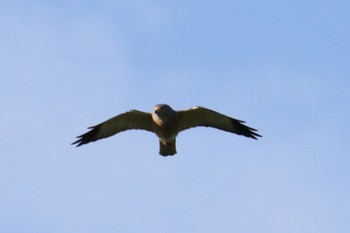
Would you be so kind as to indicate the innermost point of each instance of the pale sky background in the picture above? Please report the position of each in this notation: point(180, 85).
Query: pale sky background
point(282, 66)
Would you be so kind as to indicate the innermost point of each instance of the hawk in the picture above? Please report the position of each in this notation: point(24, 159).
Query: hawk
point(166, 123)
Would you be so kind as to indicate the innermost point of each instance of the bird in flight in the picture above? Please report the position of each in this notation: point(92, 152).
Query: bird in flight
point(166, 123)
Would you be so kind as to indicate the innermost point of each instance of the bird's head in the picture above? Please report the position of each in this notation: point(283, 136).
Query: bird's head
point(164, 112)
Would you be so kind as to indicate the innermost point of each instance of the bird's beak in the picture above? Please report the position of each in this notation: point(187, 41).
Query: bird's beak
point(156, 108)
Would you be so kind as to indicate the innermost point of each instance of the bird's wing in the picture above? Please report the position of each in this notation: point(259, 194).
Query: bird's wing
point(129, 120)
point(199, 116)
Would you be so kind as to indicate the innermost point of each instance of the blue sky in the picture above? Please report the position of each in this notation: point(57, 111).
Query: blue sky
point(282, 66)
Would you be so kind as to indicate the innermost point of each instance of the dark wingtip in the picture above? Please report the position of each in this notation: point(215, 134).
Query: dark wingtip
point(78, 142)
point(255, 135)
point(86, 137)
point(246, 130)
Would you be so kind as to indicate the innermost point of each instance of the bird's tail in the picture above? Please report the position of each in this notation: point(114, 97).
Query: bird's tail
point(167, 148)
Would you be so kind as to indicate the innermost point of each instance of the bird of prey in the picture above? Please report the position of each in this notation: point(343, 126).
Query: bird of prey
point(166, 123)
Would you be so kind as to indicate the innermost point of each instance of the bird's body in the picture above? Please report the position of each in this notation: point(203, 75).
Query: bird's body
point(166, 124)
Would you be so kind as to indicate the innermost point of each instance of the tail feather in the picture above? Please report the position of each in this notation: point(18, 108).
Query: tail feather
point(167, 148)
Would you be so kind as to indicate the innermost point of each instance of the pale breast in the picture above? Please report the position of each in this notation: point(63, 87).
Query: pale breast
point(166, 132)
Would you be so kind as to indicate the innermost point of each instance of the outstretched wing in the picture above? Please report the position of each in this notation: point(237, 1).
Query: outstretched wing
point(199, 116)
point(130, 120)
